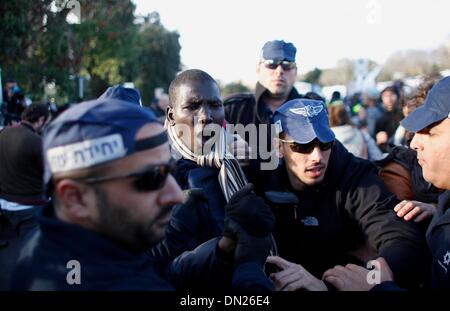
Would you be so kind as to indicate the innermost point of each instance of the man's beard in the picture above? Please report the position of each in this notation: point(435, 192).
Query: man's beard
point(117, 223)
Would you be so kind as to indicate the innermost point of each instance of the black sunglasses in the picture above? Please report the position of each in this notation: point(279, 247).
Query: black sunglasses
point(309, 147)
point(286, 65)
point(151, 178)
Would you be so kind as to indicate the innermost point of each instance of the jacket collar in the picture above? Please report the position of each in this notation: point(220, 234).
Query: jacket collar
point(81, 241)
point(28, 125)
point(442, 216)
point(261, 107)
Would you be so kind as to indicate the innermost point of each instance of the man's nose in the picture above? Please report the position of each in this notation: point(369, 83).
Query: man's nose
point(279, 69)
point(171, 193)
point(204, 115)
point(416, 143)
point(316, 155)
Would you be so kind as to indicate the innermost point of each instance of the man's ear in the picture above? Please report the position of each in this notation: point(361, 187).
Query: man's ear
point(76, 201)
point(277, 146)
point(39, 123)
point(169, 115)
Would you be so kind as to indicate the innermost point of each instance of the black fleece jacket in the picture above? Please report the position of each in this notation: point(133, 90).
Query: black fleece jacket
point(319, 226)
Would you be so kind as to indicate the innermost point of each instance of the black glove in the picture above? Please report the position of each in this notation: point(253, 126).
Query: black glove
point(249, 248)
point(250, 212)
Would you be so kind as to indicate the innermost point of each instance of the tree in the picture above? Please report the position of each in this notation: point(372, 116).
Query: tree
point(103, 42)
point(442, 55)
point(234, 87)
point(157, 59)
point(39, 46)
point(313, 76)
point(407, 63)
point(29, 41)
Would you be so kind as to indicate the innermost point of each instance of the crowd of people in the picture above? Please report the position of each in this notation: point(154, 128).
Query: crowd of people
point(184, 195)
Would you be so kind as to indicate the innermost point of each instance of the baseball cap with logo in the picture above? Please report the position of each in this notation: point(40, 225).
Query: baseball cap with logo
point(304, 120)
point(278, 50)
point(436, 108)
point(123, 93)
point(96, 132)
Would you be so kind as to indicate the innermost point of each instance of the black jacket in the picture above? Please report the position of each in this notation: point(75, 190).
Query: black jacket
point(246, 108)
point(21, 165)
point(104, 265)
point(15, 226)
point(200, 218)
point(317, 227)
point(46, 256)
point(438, 237)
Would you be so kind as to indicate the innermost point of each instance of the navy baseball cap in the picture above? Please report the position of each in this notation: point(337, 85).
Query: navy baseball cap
point(95, 132)
point(278, 50)
point(123, 93)
point(303, 120)
point(436, 108)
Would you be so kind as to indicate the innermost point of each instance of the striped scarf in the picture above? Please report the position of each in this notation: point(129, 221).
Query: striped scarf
point(231, 177)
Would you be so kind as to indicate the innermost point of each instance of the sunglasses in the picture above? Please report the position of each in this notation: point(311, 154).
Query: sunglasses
point(309, 147)
point(286, 65)
point(151, 178)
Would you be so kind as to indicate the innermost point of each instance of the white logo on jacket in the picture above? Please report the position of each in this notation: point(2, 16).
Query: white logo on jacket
point(445, 261)
point(310, 221)
point(447, 258)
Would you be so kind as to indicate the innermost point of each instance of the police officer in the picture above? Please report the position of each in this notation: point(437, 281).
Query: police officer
point(276, 71)
point(327, 202)
point(211, 177)
point(109, 166)
point(431, 125)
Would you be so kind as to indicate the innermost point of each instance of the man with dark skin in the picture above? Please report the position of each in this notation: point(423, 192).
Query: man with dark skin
point(108, 167)
point(212, 179)
point(195, 104)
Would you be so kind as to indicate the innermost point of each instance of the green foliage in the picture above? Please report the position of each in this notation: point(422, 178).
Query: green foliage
point(39, 46)
point(234, 87)
point(313, 76)
point(157, 59)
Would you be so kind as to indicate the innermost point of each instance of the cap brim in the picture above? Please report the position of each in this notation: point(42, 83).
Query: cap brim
point(307, 134)
point(419, 119)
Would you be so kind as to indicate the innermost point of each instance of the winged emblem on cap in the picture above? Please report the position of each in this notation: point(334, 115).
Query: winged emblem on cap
point(307, 111)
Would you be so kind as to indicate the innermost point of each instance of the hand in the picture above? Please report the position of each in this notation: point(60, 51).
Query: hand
point(381, 138)
point(293, 277)
point(356, 278)
point(249, 248)
point(409, 210)
point(250, 212)
point(227, 245)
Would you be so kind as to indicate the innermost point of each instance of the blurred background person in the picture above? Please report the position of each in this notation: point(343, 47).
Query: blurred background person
point(387, 124)
point(355, 140)
point(14, 102)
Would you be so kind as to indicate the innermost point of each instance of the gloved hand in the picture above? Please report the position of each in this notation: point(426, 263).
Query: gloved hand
point(250, 212)
point(249, 248)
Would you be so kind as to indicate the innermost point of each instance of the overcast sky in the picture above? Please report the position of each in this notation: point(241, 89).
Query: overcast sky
point(224, 37)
